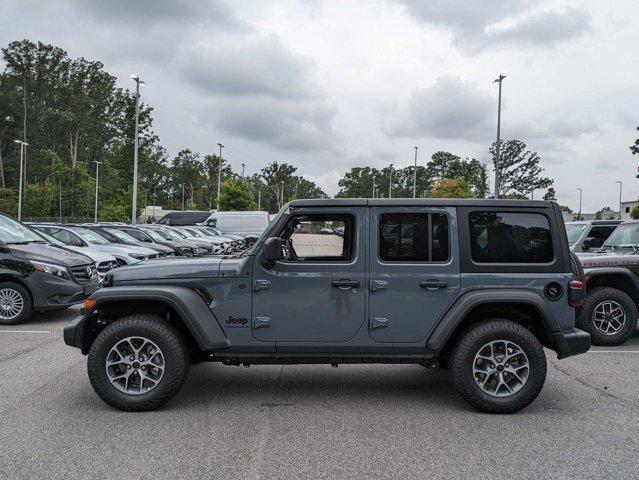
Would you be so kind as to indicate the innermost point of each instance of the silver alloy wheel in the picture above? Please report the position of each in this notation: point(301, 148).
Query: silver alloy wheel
point(135, 365)
point(501, 368)
point(609, 317)
point(11, 303)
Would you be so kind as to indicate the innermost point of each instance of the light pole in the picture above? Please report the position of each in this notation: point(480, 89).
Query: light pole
point(23, 146)
point(620, 186)
point(243, 165)
point(580, 197)
point(390, 181)
point(134, 200)
point(415, 175)
point(498, 147)
point(219, 175)
point(259, 200)
point(374, 186)
point(97, 178)
point(182, 196)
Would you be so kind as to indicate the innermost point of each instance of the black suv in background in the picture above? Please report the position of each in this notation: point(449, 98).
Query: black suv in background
point(35, 276)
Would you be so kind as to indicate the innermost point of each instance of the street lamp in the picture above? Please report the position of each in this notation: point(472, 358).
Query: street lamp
point(134, 201)
point(390, 181)
point(97, 172)
point(374, 186)
point(580, 197)
point(23, 146)
point(243, 165)
point(182, 196)
point(415, 175)
point(498, 147)
point(219, 175)
point(620, 186)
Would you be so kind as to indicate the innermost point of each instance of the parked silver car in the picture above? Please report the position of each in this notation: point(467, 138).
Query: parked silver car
point(83, 237)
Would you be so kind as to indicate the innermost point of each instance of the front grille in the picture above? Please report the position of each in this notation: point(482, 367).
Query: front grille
point(104, 267)
point(84, 273)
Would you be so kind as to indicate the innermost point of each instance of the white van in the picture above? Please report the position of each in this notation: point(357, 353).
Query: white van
point(245, 224)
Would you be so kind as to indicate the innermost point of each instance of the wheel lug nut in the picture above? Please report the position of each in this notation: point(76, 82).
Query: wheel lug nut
point(131, 358)
point(128, 366)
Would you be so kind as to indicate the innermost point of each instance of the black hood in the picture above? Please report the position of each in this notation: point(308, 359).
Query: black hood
point(43, 252)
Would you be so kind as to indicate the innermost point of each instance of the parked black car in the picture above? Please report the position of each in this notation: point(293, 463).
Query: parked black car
point(35, 276)
point(182, 218)
point(114, 235)
point(148, 235)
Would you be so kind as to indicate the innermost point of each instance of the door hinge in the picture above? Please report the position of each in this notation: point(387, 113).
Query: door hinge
point(261, 322)
point(378, 322)
point(261, 285)
point(378, 285)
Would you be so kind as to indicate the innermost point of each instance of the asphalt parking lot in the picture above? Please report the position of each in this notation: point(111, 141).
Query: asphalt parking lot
point(315, 422)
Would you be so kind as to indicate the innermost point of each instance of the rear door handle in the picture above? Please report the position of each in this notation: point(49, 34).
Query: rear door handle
point(433, 284)
point(345, 284)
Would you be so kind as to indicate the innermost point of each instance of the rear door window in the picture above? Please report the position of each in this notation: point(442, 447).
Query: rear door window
point(413, 237)
point(510, 237)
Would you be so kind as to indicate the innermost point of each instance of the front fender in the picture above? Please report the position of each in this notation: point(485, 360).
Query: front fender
point(193, 311)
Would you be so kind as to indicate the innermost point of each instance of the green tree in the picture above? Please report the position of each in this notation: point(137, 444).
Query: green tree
point(278, 179)
point(635, 147)
point(551, 195)
point(519, 169)
point(634, 213)
point(452, 188)
point(236, 195)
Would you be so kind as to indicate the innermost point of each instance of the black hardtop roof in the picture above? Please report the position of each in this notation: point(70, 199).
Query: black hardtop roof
point(397, 202)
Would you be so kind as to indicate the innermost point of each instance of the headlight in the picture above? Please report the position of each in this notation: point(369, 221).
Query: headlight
point(138, 256)
point(51, 269)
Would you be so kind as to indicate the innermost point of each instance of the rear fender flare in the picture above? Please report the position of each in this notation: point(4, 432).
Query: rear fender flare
point(467, 302)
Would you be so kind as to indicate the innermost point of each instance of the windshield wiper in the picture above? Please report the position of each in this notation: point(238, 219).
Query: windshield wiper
point(25, 242)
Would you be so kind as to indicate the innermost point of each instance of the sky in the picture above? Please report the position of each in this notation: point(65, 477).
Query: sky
point(330, 84)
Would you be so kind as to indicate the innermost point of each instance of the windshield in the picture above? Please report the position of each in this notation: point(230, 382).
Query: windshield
point(155, 235)
point(211, 222)
point(51, 240)
point(624, 236)
point(90, 236)
point(574, 230)
point(15, 232)
point(120, 235)
point(179, 232)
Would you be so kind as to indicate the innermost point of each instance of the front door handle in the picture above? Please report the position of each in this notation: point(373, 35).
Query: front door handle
point(433, 284)
point(345, 284)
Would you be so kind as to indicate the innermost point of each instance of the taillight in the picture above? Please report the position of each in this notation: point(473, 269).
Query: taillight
point(577, 293)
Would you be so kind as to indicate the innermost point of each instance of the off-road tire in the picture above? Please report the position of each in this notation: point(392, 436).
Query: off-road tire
point(165, 336)
point(576, 268)
point(585, 318)
point(463, 357)
point(27, 303)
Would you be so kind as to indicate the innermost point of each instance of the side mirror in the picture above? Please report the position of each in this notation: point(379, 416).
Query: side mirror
point(272, 251)
point(587, 244)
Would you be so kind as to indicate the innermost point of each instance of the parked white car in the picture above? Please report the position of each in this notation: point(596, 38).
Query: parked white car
point(244, 224)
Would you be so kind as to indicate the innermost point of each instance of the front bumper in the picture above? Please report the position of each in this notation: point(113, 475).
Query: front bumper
point(52, 293)
point(568, 344)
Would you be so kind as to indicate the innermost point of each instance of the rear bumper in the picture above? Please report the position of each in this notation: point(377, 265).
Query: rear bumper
point(568, 344)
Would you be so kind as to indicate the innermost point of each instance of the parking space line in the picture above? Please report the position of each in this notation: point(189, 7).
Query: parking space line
point(613, 351)
point(25, 331)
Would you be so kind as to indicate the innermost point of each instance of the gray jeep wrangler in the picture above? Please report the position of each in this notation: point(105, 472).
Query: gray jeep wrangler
point(475, 286)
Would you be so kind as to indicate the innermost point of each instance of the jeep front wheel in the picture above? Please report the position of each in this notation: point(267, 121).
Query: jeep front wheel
point(498, 366)
point(138, 363)
point(608, 315)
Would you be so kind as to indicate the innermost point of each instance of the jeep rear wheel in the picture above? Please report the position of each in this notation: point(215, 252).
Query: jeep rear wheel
point(138, 363)
point(608, 315)
point(498, 366)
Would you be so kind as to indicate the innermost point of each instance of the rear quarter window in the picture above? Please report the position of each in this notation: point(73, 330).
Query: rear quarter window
point(510, 237)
